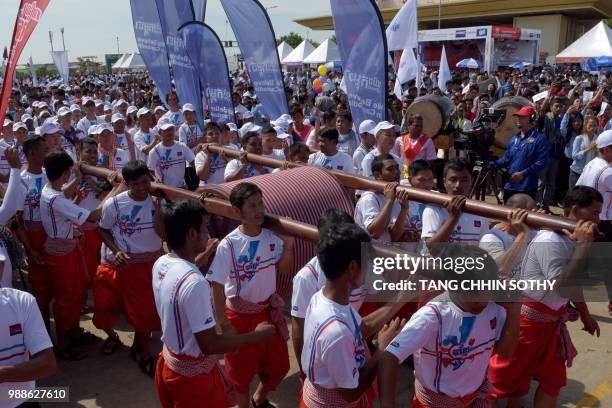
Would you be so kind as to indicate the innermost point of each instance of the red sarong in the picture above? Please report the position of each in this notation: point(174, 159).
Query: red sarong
point(315, 396)
point(269, 360)
point(91, 244)
point(108, 303)
point(536, 356)
point(426, 398)
point(38, 276)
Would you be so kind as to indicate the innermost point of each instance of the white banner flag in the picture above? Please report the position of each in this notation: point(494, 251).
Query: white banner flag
point(444, 75)
point(403, 31)
point(32, 71)
point(60, 59)
point(408, 70)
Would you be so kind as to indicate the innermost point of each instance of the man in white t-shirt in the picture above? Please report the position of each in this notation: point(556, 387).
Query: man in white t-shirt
point(560, 257)
point(329, 157)
point(243, 276)
point(168, 159)
point(210, 167)
point(269, 139)
point(449, 224)
point(124, 140)
point(109, 156)
point(131, 228)
point(90, 118)
point(189, 133)
point(368, 140)
point(347, 139)
point(183, 301)
point(146, 138)
point(385, 140)
point(415, 145)
point(26, 351)
point(334, 358)
point(241, 168)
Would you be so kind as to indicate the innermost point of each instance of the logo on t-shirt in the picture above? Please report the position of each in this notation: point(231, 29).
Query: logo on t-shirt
point(477, 224)
point(272, 247)
point(208, 320)
point(15, 329)
point(493, 323)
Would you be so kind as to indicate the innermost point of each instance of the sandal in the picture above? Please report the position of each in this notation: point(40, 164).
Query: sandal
point(85, 338)
point(147, 365)
point(134, 354)
point(70, 353)
point(110, 345)
point(265, 404)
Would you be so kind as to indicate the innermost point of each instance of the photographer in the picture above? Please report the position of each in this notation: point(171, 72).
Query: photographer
point(526, 155)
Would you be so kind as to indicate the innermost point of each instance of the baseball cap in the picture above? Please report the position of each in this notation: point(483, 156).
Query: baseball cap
point(232, 126)
point(159, 108)
point(26, 117)
point(367, 126)
point(48, 128)
point(132, 109)
point(281, 123)
point(248, 128)
point(384, 125)
point(142, 112)
point(525, 111)
point(108, 107)
point(87, 100)
point(247, 115)
point(280, 133)
point(121, 102)
point(604, 139)
point(7, 122)
point(104, 126)
point(99, 102)
point(93, 130)
point(63, 111)
point(165, 124)
point(75, 107)
point(188, 108)
point(117, 117)
point(19, 125)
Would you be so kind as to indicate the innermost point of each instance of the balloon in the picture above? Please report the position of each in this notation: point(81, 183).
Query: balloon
point(317, 85)
point(326, 87)
point(322, 70)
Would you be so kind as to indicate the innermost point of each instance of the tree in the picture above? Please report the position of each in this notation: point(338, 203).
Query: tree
point(609, 22)
point(293, 39)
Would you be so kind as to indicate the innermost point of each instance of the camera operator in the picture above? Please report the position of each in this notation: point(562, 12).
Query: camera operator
point(526, 155)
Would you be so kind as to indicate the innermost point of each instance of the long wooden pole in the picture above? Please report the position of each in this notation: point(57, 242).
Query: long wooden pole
point(475, 207)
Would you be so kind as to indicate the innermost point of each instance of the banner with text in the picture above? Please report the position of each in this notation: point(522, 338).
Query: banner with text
point(151, 44)
point(207, 56)
point(172, 15)
point(257, 43)
point(360, 36)
point(30, 12)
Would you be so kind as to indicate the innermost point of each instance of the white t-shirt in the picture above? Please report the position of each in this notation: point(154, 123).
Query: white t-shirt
point(496, 242)
point(123, 143)
point(32, 185)
point(5, 167)
point(121, 159)
point(22, 333)
point(84, 124)
point(277, 154)
point(233, 166)
point(142, 140)
point(69, 148)
point(217, 168)
point(58, 214)
point(247, 265)
point(183, 301)
point(598, 174)
point(308, 281)
point(168, 163)
point(547, 256)
point(469, 227)
point(189, 133)
point(427, 152)
point(358, 156)
point(339, 161)
point(89, 201)
point(174, 117)
point(132, 223)
point(6, 277)
point(451, 347)
point(368, 207)
point(366, 164)
point(334, 349)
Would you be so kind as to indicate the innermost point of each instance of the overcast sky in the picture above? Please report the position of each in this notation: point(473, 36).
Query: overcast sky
point(91, 26)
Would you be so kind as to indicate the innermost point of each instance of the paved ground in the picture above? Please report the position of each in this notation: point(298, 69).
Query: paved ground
point(115, 381)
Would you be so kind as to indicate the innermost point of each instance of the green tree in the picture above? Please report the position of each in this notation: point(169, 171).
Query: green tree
point(293, 39)
point(609, 22)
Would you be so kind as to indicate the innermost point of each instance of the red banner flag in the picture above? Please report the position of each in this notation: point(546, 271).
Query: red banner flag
point(30, 11)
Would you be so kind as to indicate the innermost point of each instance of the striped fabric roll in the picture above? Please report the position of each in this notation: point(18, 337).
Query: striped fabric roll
point(302, 194)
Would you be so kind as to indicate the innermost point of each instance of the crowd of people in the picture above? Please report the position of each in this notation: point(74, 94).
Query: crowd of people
point(111, 244)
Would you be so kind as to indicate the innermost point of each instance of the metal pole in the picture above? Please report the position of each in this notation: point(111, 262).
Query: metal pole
point(63, 42)
point(118, 52)
point(439, 12)
point(51, 39)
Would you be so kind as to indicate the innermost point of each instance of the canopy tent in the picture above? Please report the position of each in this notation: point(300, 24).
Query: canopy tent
point(469, 63)
point(521, 65)
point(298, 55)
point(121, 60)
point(597, 42)
point(284, 49)
point(326, 52)
point(133, 62)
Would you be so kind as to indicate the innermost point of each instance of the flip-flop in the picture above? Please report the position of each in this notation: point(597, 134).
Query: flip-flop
point(134, 354)
point(265, 404)
point(147, 365)
point(110, 345)
point(70, 353)
point(85, 338)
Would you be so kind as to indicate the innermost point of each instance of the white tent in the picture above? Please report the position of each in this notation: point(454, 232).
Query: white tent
point(326, 52)
point(597, 42)
point(133, 62)
point(297, 56)
point(120, 61)
point(284, 49)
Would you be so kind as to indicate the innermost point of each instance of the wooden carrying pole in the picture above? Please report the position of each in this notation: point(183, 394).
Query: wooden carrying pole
point(498, 212)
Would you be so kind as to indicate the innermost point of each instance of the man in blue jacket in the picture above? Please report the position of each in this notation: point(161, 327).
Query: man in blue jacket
point(526, 154)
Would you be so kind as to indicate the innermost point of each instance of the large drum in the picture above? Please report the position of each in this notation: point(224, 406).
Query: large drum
point(435, 110)
point(506, 129)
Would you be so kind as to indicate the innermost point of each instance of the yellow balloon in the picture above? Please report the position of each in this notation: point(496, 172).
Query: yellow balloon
point(322, 70)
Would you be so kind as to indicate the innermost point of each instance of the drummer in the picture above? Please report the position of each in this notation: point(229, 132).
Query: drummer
point(414, 145)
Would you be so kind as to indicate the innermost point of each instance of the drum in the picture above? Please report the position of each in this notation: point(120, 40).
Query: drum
point(506, 129)
point(435, 110)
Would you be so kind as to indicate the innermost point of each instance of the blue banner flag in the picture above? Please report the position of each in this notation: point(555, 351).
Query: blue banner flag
point(207, 56)
point(361, 40)
point(257, 44)
point(151, 44)
point(173, 14)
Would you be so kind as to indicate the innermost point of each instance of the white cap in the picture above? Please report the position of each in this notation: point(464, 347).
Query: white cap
point(7, 122)
point(108, 107)
point(142, 112)
point(132, 109)
point(249, 127)
point(188, 108)
point(367, 126)
point(25, 117)
point(99, 102)
point(247, 94)
point(63, 111)
point(602, 110)
point(159, 107)
point(86, 100)
point(247, 115)
point(232, 126)
point(93, 130)
point(19, 125)
point(604, 139)
point(121, 102)
point(104, 126)
point(117, 117)
point(48, 128)
point(384, 125)
point(35, 104)
point(280, 133)
point(75, 107)
point(165, 124)
point(281, 123)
